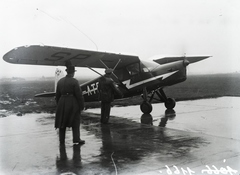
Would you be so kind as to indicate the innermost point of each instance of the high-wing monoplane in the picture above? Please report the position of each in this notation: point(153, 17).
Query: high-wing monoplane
point(133, 76)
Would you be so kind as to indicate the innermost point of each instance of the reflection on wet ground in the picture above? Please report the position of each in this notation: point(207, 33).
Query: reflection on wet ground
point(131, 143)
point(169, 114)
point(126, 146)
point(64, 164)
point(144, 145)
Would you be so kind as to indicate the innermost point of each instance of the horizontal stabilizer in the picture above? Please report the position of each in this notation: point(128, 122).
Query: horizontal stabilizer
point(46, 94)
point(191, 59)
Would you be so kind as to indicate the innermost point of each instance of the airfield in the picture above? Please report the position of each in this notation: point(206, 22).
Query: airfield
point(198, 137)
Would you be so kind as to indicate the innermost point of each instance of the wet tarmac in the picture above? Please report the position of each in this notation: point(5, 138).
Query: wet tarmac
point(198, 137)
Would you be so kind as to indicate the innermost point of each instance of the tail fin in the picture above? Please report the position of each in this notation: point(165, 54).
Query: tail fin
point(58, 75)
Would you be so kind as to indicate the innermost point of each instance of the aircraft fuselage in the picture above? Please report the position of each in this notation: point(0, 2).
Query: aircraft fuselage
point(159, 77)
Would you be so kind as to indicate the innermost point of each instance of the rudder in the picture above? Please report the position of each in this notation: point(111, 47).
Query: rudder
point(58, 75)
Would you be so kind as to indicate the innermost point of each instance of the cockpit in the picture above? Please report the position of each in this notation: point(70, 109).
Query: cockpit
point(131, 70)
point(136, 68)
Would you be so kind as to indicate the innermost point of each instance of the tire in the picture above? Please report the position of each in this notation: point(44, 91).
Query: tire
point(170, 103)
point(146, 107)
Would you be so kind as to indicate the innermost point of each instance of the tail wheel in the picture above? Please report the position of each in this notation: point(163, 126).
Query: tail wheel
point(146, 107)
point(170, 103)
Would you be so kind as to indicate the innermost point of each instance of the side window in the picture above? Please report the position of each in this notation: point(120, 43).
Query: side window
point(133, 69)
point(145, 69)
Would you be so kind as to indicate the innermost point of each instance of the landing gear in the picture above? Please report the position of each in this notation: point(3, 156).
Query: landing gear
point(170, 103)
point(146, 106)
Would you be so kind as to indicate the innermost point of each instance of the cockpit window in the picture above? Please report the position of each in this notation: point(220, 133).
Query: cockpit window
point(144, 68)
point(133, 69)
point(149, 65)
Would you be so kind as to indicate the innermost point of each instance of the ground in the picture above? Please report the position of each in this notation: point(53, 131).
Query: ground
point(197, 137)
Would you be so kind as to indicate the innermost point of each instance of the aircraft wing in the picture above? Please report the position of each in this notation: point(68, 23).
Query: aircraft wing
point(57, 56)
point(191, 59)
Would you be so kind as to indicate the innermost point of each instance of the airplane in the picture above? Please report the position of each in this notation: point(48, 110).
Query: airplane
point(133, 76)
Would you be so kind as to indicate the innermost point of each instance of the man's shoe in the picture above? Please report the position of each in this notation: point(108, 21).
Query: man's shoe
point(81, 142)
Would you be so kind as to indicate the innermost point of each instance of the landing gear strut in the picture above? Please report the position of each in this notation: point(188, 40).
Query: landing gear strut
point(146, 106)
point(169, 103)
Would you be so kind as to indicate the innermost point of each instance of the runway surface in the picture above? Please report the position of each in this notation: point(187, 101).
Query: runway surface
point(198, 137)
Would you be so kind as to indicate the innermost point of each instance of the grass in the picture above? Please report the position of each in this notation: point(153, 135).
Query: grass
point(206, 86)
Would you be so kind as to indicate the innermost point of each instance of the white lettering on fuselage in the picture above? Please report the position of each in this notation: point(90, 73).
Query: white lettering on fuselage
point(91, 89)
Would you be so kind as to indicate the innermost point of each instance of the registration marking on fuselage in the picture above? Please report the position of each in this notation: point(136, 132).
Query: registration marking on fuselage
point(91, 89)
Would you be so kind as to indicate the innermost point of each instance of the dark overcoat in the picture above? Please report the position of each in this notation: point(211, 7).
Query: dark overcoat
point(107, 89)
point(70, 102)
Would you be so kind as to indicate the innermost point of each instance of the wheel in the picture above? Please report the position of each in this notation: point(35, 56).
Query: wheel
point(146, 107)
point(170, 103)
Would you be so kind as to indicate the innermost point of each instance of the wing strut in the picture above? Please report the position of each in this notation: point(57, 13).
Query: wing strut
point(115, 74)
point(104, 64)
point(116, 64)
point(94, 71)
point(113, 68)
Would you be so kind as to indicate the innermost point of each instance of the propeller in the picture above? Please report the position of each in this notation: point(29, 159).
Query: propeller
point(120, 82)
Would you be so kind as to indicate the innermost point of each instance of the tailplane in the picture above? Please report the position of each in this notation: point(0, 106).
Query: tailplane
point(58, 75)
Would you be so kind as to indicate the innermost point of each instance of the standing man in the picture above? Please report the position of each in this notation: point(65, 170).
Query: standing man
point(70, 103)
point(107, 88)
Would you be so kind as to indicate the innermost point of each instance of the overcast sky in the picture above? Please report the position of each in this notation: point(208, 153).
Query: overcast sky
point(135, 27)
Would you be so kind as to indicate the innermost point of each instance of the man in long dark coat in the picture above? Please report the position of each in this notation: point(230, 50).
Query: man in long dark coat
point(107, 88)
point(70, 103)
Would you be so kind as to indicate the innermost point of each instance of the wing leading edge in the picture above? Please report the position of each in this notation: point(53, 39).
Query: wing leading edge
point(57, 56)
point(191, 59)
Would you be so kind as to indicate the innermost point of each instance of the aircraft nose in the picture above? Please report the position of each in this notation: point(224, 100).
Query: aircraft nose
point(186, 62)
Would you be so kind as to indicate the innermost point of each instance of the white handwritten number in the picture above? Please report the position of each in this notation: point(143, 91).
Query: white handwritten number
point(169, 171)
point(174, 170)
point(177, 170)
point(188, 171)
point(183, 171)
point(215, 170)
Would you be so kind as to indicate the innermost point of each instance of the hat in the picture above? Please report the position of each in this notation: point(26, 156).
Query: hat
point(108, 71)
point(70, 69)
